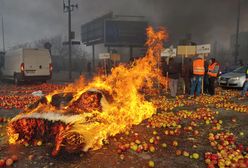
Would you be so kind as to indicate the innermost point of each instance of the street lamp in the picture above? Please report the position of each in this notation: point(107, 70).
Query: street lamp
point(68, 9)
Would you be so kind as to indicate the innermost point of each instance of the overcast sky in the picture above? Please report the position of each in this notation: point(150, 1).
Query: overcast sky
point(207, 20)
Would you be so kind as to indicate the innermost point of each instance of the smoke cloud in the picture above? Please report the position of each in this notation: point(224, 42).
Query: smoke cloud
point(206, 20)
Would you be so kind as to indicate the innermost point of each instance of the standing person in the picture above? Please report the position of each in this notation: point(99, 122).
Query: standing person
point(187, 73)
point(198, 73)
point(213, 70)
point(245, 88)
point(173, 74)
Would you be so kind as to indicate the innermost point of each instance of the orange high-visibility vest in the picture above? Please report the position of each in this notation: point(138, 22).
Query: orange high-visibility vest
point(213, 69)
point(198, 67)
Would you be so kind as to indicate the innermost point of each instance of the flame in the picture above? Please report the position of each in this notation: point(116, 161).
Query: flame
point(104, 107)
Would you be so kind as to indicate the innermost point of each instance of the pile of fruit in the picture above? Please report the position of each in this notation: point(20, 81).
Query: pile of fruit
point(28, 89)
point(18, 102)
point(164, 120)
point(207, 100)
point(171, 131)
point(232, 106)
point(19, 97)
point(229, 152)
point(164, 104)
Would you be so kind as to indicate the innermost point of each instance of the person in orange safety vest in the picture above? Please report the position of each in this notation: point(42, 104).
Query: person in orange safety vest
point(198, 73)
point(213, 71)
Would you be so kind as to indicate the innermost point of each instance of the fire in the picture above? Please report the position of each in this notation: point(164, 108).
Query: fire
point(82, 116)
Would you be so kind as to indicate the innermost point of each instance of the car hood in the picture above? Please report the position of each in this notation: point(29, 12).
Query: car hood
point(233, 75)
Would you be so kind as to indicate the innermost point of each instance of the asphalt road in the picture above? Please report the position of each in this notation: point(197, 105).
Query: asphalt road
point(110, 156)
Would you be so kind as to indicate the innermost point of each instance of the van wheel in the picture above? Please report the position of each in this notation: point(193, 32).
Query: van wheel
point(16, 80)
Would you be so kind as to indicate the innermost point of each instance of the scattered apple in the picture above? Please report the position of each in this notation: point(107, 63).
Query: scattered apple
point(195, 155)
point(164, 145)
point(9, 162)
point(185, 153)
point(2, 163)
point(178, 152)
point(152, 149)
point(151, 163)
point(14, 158)
point(175, 143)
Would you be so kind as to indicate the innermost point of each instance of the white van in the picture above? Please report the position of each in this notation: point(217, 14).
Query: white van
point(27, 64)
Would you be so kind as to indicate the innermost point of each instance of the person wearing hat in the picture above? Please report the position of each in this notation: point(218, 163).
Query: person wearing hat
point(198, 73)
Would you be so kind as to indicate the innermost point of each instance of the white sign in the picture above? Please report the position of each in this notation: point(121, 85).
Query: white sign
point(203, 49)
point(104, 56)
point(169, 52)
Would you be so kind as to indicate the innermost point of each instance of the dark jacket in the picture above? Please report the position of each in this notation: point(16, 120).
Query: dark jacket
point(187, 69)
point(173, 70)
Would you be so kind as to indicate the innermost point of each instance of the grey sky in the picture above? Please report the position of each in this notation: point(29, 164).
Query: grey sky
point(207, 20)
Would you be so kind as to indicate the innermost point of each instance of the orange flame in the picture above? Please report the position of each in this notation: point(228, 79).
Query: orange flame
point(127, 107)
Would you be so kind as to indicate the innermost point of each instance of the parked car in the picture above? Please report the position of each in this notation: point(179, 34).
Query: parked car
point(27, 64)
point(234, 79)
point(224, 70)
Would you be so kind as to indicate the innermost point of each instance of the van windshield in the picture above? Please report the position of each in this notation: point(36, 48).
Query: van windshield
point(240, 69)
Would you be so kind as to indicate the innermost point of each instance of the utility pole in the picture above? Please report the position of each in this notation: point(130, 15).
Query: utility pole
point(236, 52)
point(3, 35)
point(68, 9)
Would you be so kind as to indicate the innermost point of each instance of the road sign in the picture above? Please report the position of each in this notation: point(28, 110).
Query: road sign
point(186, 50)
point(104, 56)
point(169, 52)
point(115, 57)
point(203, 49)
